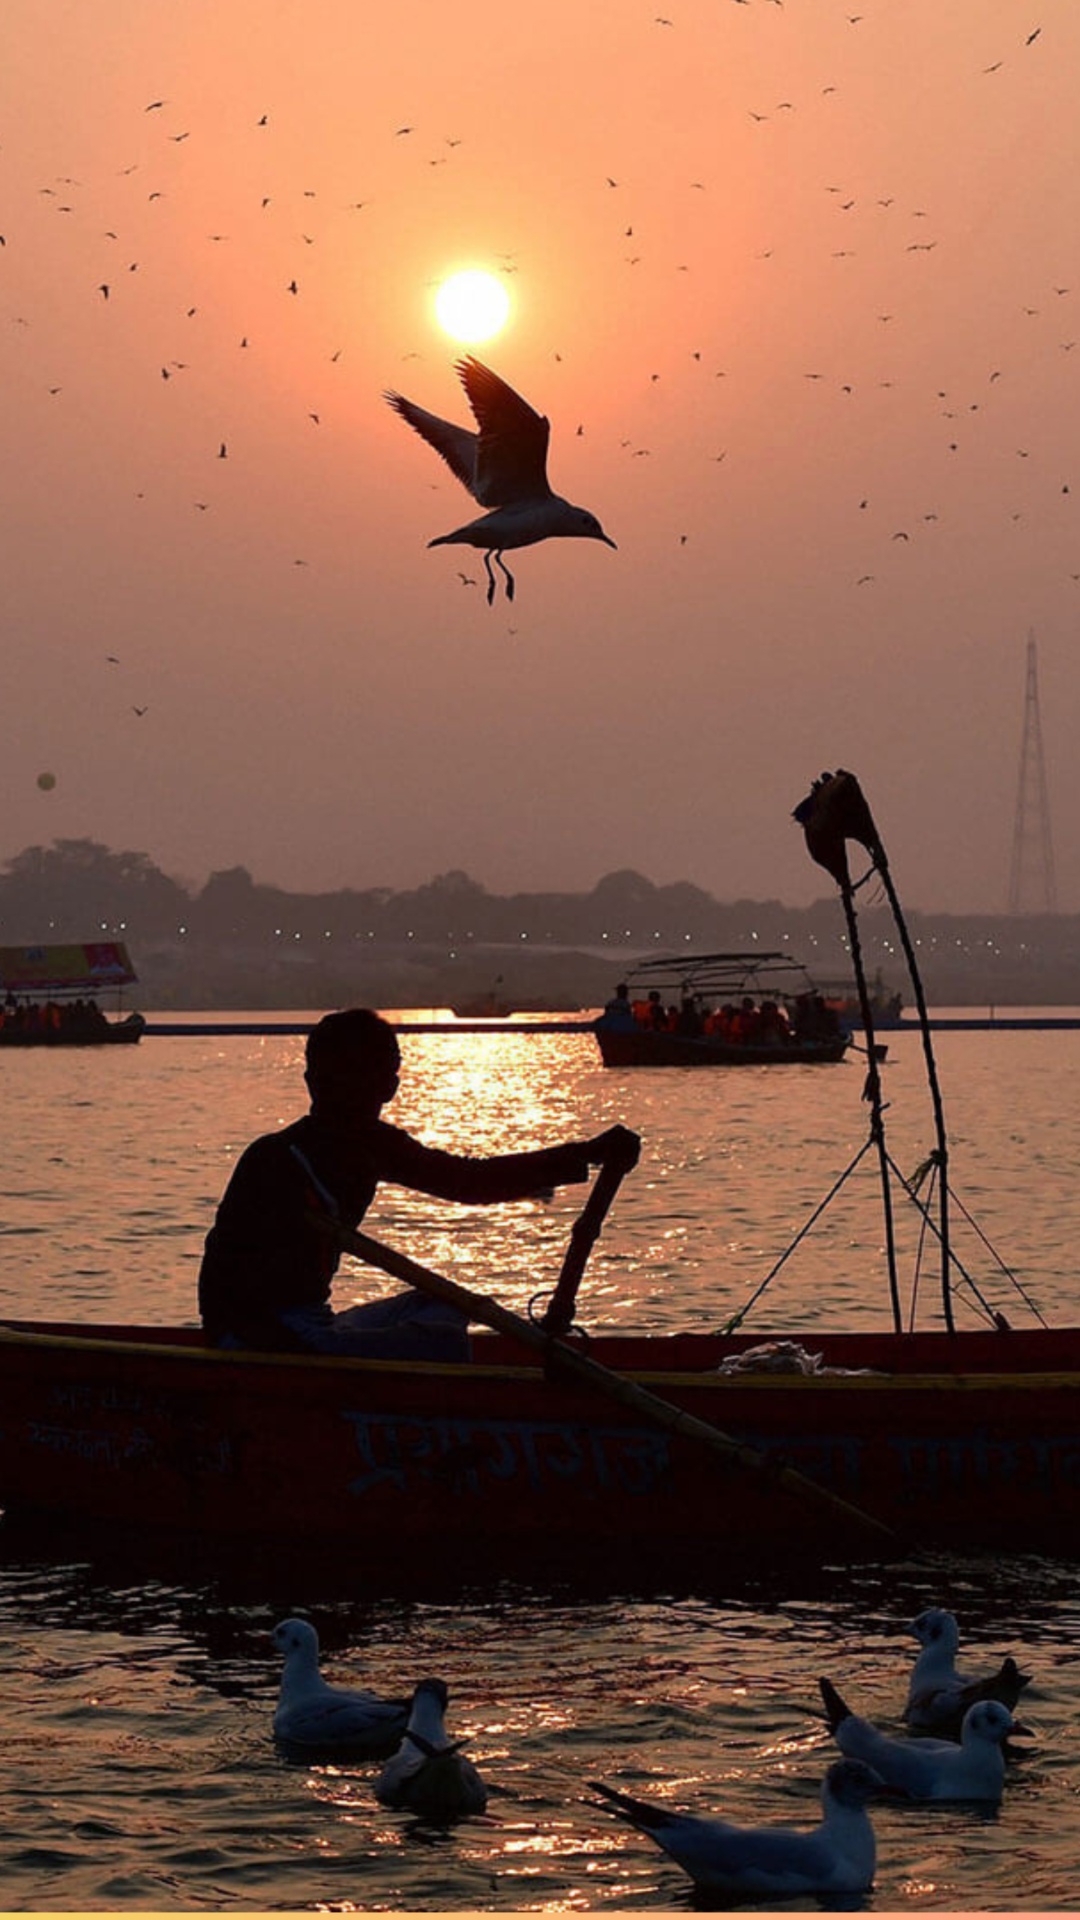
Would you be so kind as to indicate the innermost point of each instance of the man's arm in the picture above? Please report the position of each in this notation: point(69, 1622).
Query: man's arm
point(406, 1162)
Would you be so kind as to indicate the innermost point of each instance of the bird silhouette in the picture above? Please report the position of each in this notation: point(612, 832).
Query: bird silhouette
point(504, 467)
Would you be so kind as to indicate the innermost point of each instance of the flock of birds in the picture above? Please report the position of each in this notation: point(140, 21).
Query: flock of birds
point(954, 1750)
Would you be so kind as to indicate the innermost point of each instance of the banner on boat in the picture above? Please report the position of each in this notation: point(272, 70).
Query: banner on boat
point(65, 969)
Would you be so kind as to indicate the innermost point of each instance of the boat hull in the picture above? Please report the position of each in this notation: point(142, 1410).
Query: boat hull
point(640, 1048)
point(111, 1033)
point(969, 1441)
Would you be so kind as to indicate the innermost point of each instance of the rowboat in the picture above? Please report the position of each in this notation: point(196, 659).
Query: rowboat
point(720, 1010)
point(49, 995)
point(966, 1441)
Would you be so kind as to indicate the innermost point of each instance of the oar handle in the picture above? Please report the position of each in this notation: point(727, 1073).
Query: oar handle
point(559, 1316)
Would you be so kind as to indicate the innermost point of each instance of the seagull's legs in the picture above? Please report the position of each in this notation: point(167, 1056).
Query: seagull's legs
point(501, 564)
point(490, 575)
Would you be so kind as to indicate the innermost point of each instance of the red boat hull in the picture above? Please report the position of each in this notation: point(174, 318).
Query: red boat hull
point(970, 1441)
point(621, 1047)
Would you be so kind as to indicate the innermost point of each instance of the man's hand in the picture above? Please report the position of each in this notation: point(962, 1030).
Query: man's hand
point(619, 1147)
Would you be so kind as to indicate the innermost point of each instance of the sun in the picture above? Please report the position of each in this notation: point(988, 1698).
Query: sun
point(472, 306)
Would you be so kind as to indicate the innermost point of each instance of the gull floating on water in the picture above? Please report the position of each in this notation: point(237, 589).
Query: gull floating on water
point(504, 467)
point(924, 1768)
point(838, 1856)
point(938, 1696)
point(429, 1774)
point(314, 1716)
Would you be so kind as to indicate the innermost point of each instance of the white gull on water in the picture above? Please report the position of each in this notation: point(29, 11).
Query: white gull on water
point(313, 1716)
point(939, 1696)
point(504, 467)
point(429, 1775)
point(837, 1856)
point(922, 1767)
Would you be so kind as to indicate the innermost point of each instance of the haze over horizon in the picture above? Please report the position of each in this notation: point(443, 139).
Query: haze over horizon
point(798, 290)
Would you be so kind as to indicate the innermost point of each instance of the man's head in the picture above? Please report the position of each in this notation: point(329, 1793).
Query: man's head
point(353, 1060)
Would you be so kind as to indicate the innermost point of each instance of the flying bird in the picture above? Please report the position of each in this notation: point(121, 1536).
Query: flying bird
point(428, 1774)
point(838, 1856)
point(314, 1717)
point(504, 467)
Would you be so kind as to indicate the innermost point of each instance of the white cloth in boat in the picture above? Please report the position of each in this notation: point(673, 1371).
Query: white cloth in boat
point(781, 1356)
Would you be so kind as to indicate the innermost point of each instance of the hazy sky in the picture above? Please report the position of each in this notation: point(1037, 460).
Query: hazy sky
point(799, 288)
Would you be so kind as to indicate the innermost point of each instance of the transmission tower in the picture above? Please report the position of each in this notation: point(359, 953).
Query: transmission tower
point(1032, 887)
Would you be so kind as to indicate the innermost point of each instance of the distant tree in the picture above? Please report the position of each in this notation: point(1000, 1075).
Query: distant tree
point(77, 888)
point(456, 885)
point(623, 888)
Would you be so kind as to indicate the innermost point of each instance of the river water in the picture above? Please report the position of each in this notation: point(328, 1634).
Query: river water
point(137, 1769)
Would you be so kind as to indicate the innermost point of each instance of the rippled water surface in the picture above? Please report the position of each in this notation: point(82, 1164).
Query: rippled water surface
point(137, 1768)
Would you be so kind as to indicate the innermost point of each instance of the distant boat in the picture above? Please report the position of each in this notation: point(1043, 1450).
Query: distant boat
point(495, 1004)
point(886, 1007)
point(720, 1010)
point(49, 995)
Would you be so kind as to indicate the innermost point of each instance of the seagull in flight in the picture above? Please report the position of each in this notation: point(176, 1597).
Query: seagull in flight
point(504, 467)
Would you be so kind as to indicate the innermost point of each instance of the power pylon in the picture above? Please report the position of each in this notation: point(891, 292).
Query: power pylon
point(1032, 886)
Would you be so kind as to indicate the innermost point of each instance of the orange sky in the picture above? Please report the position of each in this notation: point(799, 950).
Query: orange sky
point(810, 359)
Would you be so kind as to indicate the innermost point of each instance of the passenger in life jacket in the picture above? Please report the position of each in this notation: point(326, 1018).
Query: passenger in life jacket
point(658, 1019)
point(618, 1013)
point(688, 1019)
point(773, 1030)
point(744, 1021)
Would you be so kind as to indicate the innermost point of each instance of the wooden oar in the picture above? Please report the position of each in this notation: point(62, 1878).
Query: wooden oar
point(572, 1360)
point(584, 1234)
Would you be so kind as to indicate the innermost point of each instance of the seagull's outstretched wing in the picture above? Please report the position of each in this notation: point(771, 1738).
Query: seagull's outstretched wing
point(511, 460)
point(458, 446)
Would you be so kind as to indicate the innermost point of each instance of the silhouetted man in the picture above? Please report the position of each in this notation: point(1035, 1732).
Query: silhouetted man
point(268, 1267)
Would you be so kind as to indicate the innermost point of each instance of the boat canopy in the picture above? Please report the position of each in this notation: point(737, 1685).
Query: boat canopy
point(58, 970)
point(723, 976)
